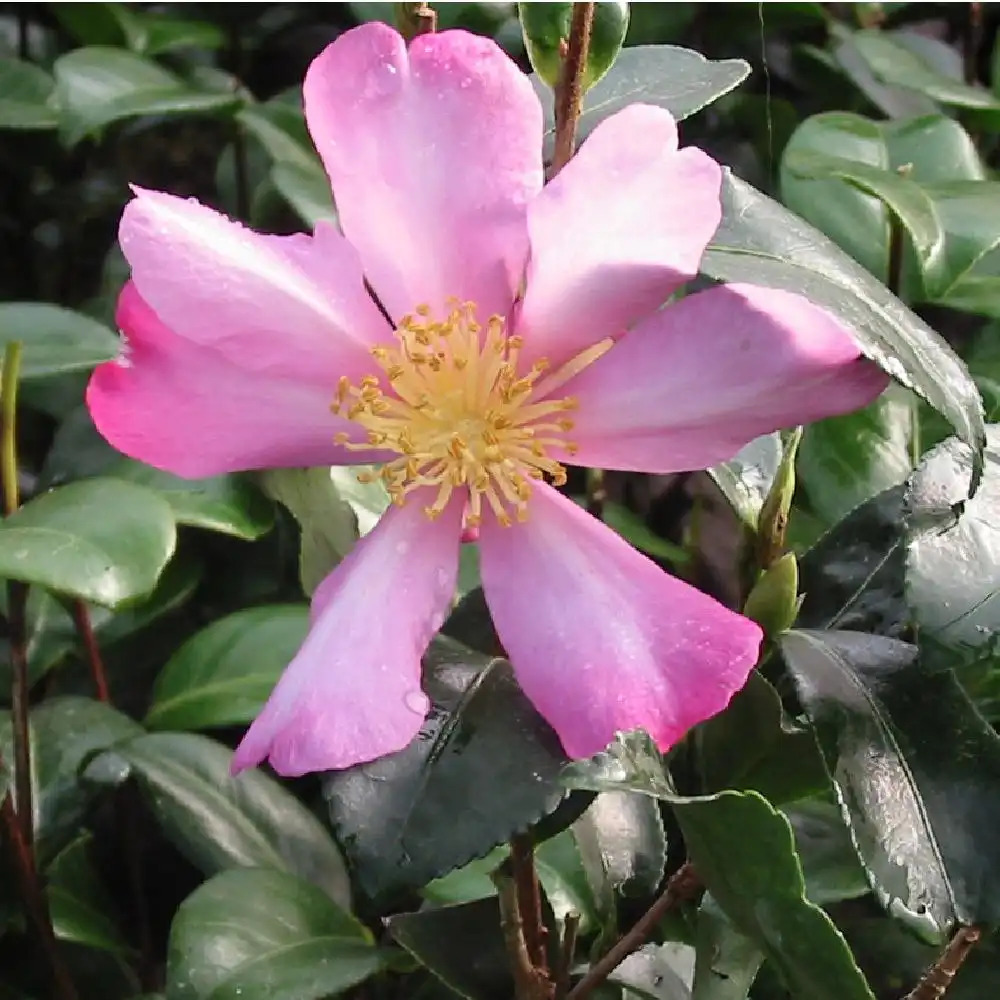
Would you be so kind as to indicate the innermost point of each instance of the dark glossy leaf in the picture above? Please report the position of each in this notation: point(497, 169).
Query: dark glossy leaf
point(853, 577)
point(745, 480)
point(223, 674)
point(844, 461)
point(761, 242)
point(657, 972)
point(571, 872)
point(953, 561)
point(484, 753)
point(65, 732)
point(752, 745)
point(25, 102)
point(55, 340)
point(681, 80)
point(219, 821)
point(102, 540)
point(917, 772)
point(256, 934)
point(726, 961)
point(628, 833)
point(80, 905)
point(462, 945)
point(99, 85)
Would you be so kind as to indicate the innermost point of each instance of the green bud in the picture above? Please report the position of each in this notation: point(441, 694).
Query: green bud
point(774, 601)
point(546, 29)
point(773, 520)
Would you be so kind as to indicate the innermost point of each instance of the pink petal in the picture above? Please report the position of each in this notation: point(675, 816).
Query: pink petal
point(433, 155)
point(616, 233)
point(698, 380)
point(352, 693)
point(601, 639)
point(293, 306)
point(191, 411)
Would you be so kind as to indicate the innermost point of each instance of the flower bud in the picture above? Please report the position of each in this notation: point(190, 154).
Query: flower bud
point(546, 30)
point(774, 602)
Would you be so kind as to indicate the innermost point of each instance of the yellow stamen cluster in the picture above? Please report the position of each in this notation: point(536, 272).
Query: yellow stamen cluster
point(452, 404)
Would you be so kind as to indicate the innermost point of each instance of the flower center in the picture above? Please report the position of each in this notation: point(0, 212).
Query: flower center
point(454, 407)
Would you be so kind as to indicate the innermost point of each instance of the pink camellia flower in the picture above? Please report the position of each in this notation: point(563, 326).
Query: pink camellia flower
point(517, 328)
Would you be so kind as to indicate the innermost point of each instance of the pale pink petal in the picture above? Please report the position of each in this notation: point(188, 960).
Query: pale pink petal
point(292, 306)
point(352, 693)
point(191, 411)
point(695, 382)
point(433, 155)
point(601, 639)
point(615, 233)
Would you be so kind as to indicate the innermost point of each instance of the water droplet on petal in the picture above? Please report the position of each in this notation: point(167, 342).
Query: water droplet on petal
point(416, 701)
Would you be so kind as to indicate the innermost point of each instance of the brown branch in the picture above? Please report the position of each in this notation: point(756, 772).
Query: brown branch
point(415, 19)
point(936, 980)
point(684, 884)
point(569, 89)
point(529, 898)
point(529, 983)
point(81, 619)
point(570, 928)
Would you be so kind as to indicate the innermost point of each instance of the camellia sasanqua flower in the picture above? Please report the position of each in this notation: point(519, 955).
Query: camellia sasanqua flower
point(471, 331)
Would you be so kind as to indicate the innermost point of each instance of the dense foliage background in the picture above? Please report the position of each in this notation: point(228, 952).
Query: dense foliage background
point(159, 612)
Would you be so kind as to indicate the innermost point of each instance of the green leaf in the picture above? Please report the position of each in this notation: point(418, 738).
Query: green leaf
point(761, 242)
point(681, 80)
point(263, 935)
point(744, 852)
point(913, 762)
point(854, 220)
point(657, 972)
point(571, 884)
point(726, 961)
point(332, 508)
point(230, 505)
point(953, 563)
point(55, 340)
point(752, 745)
point(844, 461)
point(852, 578)
point(101, 540)
point(306, 189)
point(484, 753)
point(830, 865)
point(64, 732)
point(280, 127)
point(895, 63)
point(97, 86)
point(223, 674)
point(636, 532)
point(25, 98)
point(935, 148)
point(80, 905)
point(219, 822)
point(443, 940)
point(745, 480)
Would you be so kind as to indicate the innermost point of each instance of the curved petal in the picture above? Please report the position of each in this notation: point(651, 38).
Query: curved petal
point(189, 410)
point(352, 693)
point(433, 155)
point(601, 639)
point(292, 306)
point(694, 383)
point(615, 233)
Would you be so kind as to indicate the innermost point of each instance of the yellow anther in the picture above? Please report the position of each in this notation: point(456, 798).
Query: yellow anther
point(462, 413)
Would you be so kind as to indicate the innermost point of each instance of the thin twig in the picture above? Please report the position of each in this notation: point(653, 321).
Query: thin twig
point(566, 949)
point(529, 898)
point(936, 980)
point(23, 32)
point(972, 38)
point(85, 630)
point(684, 884)
point(241, 169)
point(569, 89)
point(529, 982)
point(597, 493)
